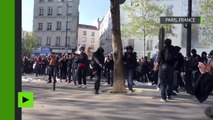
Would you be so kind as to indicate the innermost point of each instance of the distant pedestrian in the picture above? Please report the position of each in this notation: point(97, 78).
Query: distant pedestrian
point(178, 68)
point(69, 67)
point(52, 59)
point(109, 65)
point(74, 69)
point(204, 58)
point(194, 59)
point(82, 67)
point(130, 65)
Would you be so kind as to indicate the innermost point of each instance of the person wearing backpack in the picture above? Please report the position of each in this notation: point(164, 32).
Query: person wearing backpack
point(166, 61)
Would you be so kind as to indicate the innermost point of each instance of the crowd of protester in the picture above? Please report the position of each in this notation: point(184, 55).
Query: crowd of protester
point(76, 67)
point(169, 70)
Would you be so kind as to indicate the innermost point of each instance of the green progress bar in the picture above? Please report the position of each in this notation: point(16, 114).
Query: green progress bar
point(201, 20)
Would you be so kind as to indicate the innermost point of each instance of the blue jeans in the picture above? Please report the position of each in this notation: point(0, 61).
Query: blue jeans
point(52, 73)
point(175, 80)
point(129, 75)
point(194, 76)
point(166, 79)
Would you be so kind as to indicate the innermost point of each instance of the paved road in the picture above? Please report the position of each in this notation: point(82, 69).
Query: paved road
point(71, 103)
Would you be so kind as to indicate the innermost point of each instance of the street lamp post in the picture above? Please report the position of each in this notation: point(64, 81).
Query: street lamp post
point(189, 29)
point(66, 2)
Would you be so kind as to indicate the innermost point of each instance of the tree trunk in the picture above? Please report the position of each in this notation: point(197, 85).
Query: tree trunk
point(118, 75)
point(144, 45)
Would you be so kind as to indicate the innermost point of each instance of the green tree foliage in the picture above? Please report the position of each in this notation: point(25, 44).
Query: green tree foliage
point(207, 15)
point(29, 44)
point(144, 19)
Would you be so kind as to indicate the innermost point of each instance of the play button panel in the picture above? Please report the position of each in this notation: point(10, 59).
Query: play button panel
point(25, 100)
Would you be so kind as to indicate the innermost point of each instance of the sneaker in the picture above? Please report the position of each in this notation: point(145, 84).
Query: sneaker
point(162, 100)
point(84, 86)
point(174, 94)
point(129, 92)
point(169, 97)
point(158, 89)
point(79, 86)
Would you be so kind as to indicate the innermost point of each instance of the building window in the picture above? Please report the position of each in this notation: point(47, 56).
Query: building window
point(169, 11)
point(69, 10)
point(39, 41)
point(84, 32)
point(149, 45)
point(68, 25)
point(41, 11)
point(68, 41)
point(58, 25)
point(50, 11)
point(49, 26)
point(57, 42)
point(93, 40)
point(40, 26)
point(84, 39)
point(93, 33)
point(41, 1)
point(59, 10)
point(48, 41)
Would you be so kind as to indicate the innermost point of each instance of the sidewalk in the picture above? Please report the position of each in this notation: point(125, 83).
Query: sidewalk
point(71, 103)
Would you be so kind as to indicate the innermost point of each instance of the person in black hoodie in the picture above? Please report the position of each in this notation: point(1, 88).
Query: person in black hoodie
point(166, 61)
point(97, 63)
point(204, 58)
point(109, 65)
point(178, 67)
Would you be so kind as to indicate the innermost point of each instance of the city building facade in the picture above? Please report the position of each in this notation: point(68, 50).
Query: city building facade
point(174, 8)
point(55, 24)
point(88, 36)
point(106, 33)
